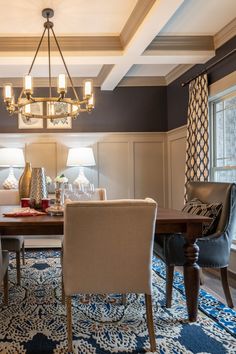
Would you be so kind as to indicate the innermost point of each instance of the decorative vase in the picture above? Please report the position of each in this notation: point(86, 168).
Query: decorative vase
point(38, 188)
point(25, 180)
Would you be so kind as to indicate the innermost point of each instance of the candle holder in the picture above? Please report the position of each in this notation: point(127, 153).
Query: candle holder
point(57, 208)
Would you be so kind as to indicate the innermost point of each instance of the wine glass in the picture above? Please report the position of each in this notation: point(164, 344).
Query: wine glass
point(68, 191)
point(89, 190)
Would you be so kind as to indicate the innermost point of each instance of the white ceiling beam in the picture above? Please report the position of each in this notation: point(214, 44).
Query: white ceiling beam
point(176, 57)
point(157, 17)
point(150, 57)
point(70, 60)
point(120, 68)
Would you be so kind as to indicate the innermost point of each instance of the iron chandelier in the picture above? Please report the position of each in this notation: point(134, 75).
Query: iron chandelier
point(69, 107)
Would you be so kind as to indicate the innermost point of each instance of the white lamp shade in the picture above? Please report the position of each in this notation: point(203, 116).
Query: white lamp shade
point(81, 157)
point(11, 157)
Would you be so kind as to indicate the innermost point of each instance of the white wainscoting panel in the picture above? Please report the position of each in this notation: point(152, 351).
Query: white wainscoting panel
point(149, 171)
point(128, 165)
point(176, 143)
point(113, 162)
point(43, 154)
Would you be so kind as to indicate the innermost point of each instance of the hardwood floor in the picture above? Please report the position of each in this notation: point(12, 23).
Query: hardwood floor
point(212, 284)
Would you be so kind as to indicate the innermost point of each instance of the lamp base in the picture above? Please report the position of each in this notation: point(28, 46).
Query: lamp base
point(11, 182)
point(81, 179)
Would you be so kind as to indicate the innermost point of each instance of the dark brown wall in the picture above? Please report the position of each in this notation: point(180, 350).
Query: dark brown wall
point(177, 96)
point(135, 109)
point(126, 109)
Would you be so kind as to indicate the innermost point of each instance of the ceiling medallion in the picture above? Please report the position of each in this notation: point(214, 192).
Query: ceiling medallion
point(55, 107)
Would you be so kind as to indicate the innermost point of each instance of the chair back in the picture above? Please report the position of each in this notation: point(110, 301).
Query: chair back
point(215, 192)
point(108, 246)
point(9, 197)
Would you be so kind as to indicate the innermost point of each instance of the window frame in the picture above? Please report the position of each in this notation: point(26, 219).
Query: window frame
point(212, 101)
point(212, 130)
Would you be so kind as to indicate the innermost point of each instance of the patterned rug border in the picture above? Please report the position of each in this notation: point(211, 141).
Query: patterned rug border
point(214, 308)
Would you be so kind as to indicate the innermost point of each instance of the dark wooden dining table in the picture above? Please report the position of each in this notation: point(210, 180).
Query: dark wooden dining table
point(168, 221)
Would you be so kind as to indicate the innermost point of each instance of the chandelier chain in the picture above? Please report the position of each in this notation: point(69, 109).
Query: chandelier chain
point(49, 65)
point(35, 56)
point(37, 50)
point(59, 49)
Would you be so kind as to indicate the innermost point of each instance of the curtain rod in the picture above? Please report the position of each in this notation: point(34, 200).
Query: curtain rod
point(208, 67)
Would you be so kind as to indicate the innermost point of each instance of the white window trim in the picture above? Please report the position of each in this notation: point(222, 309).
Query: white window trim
point(213, 99)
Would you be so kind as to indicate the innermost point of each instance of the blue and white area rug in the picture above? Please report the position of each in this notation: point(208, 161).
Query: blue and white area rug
point(35, 320)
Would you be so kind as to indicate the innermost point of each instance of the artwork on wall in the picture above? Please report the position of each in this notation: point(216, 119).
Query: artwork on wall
point(32, 123)
point(60, 123)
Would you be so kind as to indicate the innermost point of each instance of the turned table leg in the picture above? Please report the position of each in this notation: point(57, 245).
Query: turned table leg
point(191, 269)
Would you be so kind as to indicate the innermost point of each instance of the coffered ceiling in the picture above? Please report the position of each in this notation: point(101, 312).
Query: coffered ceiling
point(115, 42)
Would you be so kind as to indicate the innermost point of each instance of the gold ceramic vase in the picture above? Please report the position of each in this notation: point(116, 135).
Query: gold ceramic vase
point(25, 181)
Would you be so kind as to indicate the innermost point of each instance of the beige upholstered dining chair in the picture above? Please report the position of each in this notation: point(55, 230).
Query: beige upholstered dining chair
point(99, 194)
point(13, 243)
point(4, 261)
point(108, 249)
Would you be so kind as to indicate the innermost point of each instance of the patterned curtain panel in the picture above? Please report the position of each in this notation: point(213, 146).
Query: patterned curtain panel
point(197, 149)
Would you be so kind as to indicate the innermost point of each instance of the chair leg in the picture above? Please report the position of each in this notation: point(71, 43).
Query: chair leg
point(123, 299)
point(69, 323)
point(63, 298)
point(23, 253)
point(169, 284)
point(202, 280)
point(18, 267)
point(150, 323)
point(61, 257)
point(5, 286)
point(62, 281)
point(225, 284)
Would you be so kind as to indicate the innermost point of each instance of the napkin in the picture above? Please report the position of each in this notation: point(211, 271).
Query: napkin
point(23, 212)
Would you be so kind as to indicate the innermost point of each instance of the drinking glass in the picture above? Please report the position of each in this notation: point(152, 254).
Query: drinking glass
point(88, 191)
point(68, 191)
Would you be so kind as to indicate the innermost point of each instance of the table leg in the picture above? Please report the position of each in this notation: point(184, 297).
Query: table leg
point(191, 270)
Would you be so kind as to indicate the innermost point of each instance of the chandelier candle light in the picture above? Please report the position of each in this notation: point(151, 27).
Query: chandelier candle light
point(72, 106)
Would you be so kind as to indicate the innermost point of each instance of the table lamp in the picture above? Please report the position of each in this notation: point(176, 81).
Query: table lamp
point(11, 157)
point(81, 157)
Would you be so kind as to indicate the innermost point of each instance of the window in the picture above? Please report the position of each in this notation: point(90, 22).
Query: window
point(223, 138)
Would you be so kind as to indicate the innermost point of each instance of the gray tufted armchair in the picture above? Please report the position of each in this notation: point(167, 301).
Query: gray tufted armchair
point(214, 250)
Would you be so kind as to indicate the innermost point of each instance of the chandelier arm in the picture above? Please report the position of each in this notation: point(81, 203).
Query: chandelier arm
point(52, 117)
point(59, 49)
point(35, 56)
point(23, 103)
